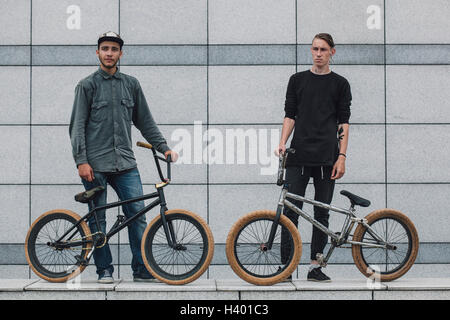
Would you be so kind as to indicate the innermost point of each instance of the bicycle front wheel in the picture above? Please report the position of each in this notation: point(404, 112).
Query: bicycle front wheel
point(393, 261)
point(185, 261)
point(53, 260)
point(249, 255)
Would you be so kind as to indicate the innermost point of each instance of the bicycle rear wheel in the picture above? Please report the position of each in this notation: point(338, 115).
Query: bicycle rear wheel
point(249, 256)
point(57, 261)
point(192, 254)
point(397, 230)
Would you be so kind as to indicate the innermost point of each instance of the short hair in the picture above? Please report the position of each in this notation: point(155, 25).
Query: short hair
point(326, 37)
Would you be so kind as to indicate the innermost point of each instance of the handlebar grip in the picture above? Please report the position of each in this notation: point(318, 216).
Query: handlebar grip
point(169, 160)
point(144, 145)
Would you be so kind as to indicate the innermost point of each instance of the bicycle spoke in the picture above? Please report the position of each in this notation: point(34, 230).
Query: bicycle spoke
point(251, 251)
point(178, 262)
point(52, 259)
point(393, 233)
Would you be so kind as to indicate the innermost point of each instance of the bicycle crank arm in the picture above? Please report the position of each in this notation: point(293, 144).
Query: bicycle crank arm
point(88, 257)
point(81, 261)
point(94, 246)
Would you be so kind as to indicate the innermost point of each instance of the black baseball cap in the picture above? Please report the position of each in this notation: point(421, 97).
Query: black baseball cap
point(110, 36)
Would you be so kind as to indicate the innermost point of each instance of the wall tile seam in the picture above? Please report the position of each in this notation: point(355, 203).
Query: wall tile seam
point(213, 57)
point(224, 44)
point(230, 184)
point(256, 124)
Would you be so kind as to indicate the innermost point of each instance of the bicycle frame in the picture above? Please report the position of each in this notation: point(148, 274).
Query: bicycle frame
point(121, 222)
point(338, 239)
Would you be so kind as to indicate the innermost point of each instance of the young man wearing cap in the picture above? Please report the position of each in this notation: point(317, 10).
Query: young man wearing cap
point(317, 107)
point(106, 103)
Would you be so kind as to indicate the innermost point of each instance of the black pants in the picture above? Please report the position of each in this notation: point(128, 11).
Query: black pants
point(297, 178)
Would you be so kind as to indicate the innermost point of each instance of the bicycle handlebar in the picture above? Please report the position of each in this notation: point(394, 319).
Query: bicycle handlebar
point(157, 158)
point(282, 165)
point(144, 145)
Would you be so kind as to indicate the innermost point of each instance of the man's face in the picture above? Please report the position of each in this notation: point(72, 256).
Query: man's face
point(321, 52)
point(109, 54)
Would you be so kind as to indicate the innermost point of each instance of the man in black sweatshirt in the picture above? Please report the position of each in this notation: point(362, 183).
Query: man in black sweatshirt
point(318, 107)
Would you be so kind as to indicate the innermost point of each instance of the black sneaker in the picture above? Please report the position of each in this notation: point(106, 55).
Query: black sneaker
point(316, 274)
point(144, 277)
point(288, 279)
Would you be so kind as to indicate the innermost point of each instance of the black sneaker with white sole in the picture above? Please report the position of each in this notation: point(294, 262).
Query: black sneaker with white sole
point(317, 275)
point(144, 277)
point(105, 276)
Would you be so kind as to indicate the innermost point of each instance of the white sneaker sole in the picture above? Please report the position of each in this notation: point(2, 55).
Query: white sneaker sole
point(315, 280)
point(146, 280)
point(106, 281)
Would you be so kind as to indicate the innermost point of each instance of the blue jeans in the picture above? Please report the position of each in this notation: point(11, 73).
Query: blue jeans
point(127, 185)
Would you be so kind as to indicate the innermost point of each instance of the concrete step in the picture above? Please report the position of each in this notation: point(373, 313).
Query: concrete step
point(227, 289)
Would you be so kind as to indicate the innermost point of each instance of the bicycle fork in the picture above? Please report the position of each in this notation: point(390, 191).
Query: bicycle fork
point(167, 225)
point(273, 230)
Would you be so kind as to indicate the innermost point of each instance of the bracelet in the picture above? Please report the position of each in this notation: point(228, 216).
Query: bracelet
point(342, 154)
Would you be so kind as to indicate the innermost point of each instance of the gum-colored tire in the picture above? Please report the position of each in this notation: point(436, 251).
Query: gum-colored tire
point(196, 224)
point(42, 223)
point(411, 245)
point(236, 265)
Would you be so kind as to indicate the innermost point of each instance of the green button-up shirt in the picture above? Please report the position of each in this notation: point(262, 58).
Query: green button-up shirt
point(100, 126)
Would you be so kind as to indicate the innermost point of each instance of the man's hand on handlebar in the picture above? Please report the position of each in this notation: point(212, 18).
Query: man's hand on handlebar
point(280, 150)
point(173, 155)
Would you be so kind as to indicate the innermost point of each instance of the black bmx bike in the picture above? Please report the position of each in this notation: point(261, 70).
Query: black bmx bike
point(384, 243)
point(177, 245)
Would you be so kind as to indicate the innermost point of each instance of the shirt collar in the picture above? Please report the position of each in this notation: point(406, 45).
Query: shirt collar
point(106, 75)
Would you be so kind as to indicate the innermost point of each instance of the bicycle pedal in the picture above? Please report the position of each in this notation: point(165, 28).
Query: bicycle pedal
point(320, 260)
point(81, 261)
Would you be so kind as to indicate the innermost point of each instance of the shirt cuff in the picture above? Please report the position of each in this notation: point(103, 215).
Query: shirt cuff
point(163, 148)
point(80, 160)
point(290, 116)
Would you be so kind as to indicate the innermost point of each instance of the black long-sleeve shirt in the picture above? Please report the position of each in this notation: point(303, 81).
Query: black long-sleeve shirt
point(318, 104)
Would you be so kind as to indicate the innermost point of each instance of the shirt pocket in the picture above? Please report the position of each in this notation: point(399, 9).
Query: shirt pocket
point(127, 108)
point(99, 111)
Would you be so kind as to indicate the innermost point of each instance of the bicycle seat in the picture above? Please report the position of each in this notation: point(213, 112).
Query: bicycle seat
point(86, 196)
point(356, 200)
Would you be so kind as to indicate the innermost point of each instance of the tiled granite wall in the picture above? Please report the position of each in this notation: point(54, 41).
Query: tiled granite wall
point(226, 64)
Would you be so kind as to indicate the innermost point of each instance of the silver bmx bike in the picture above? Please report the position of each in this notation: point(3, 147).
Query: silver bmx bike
point(384, 243)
